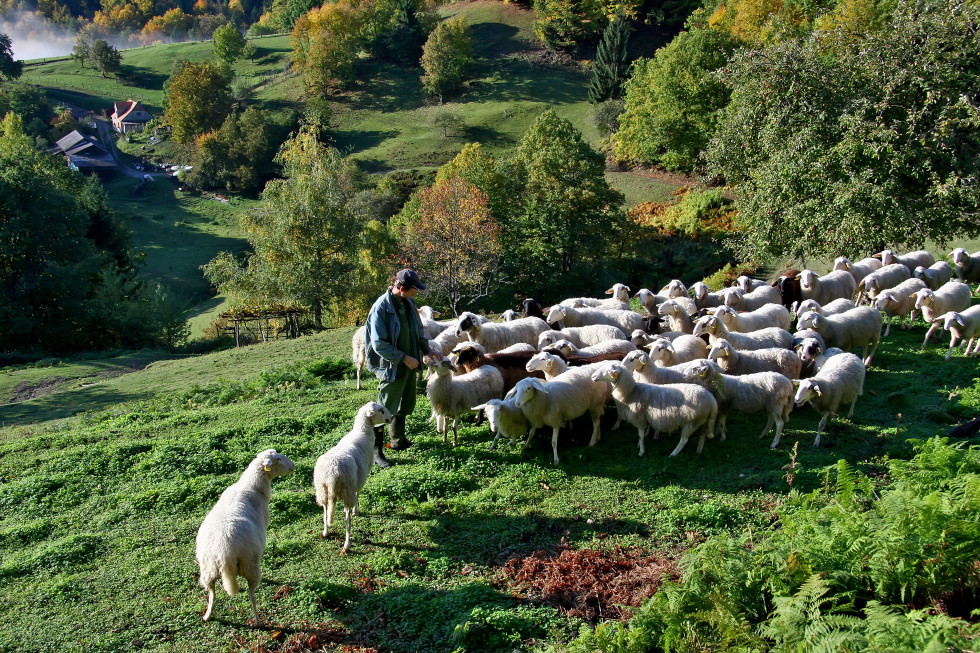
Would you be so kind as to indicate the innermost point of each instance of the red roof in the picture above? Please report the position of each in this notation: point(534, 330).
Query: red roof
point(123, 109)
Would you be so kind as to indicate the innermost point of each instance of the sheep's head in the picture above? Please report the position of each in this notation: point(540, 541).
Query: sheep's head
point(700, 370)
point(676, 288)
point(670, 308)
point(843, 263)
point(720, 349)
point(888, 257)
point(544, 362)
point(620, 291)
point(466, 353)
point(924, 297)
point(610, 372)
point(808, 349)
point(635, 360)
point(468, 323)
point(808, 279)
point(809, 320)
point(557, 314)
point(951, 320)
point(438, 367)
point(959, 255)
point(640, 338)
point(708, 324)
point(660, 350)
point(376, 414)
point(509, 315)
point(809, 388)
point(428, 313)
point(565, 347)
point(733, 297)
point(724, 313)
point(275, 464)
point(744, 283)
point(700, 291)
point(885, 300)
point(527, 389)
point(546, 339)
point(492, 410)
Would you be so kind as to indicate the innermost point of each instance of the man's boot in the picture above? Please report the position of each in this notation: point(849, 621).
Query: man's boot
point(379, 448)
point(397, 430)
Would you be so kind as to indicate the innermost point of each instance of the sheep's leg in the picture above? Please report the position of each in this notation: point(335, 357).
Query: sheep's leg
point(358, 376)
point(952, 346)
point(455, 425)
point(685, 436)
point(530, 436)
point(595, 429)
point(779, 433)
point(250, 569)
point(932, 328)
point(325, 524)
point(888, 328)
point(823, 422)
point(642, 433)
point(207, 613)
point(554, 443)
point(496, 436)
point(722, 428)
point(851, 411)
point(874, 348)
point(769, 423)
point(348, 514)
point(972, 340)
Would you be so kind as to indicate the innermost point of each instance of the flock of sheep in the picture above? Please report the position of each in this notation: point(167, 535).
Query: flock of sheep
point(682, 367)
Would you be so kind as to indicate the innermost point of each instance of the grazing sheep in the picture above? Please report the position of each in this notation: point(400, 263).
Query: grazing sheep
point(608, 347)
point(772, 359)
point(935, 275)
point(231, 538)
point(704, 298)
point(509, 315)
point(531, 308)
point(962, 325)
point(787, 285)
point(761, 339)
point(640, 365)
point(839, 380)
point(952, 296)
point(678, 318)
point(967, 266)
point(750, 301)
point(899, 301)
point(859, 326)
point(911, 260)
point(586, 336)
point(683, 349)
point(554, 403)
point(858, 270)
point(505, 418)
point(825, 289)
point(342, 471)
point(833, 308)
point(468, 356)
point(451, 395)
point(770, 315)
point(683, 406)
point(749, 393)
point(495, 336)
point(882, 279)
point(578, 317)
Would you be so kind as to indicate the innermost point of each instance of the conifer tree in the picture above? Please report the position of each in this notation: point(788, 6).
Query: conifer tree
point(609, 71)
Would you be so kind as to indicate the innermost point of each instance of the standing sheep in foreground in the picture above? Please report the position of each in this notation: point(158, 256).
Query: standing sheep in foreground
point(682, 349)
point(451, 395)
point(952, 296)
point(962, 326)
point(935, 275)
point(910, 260)
point(899, 301)
point(581, 336)
point(231, 539)
point(858, 326)
point(343, 470)
point(967, 266)
point(770, 315)
point(839, 380)
point(667, 408)
point(505, 418)
point(627, 321)
point(773, 359)
point(858, 270)
point(749, 393)
point(761, 339)
point(825, 289)
point(882, 279)
point(495, 336)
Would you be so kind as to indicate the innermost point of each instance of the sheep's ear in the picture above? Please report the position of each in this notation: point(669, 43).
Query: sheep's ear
point(796, 384)
point(670, 348)
point(370, 413)
point(478, 408)
point(816, 388)
point(609, 292)
point(959, 320)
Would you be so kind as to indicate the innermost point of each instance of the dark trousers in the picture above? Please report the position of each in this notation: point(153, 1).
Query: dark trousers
point(398, 396)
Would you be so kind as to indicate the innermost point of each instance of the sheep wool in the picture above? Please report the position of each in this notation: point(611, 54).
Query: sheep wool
point(771, 359)
point(838, 284)
point(770, 315)
point(962, 326)
point(935, 275)
point(951, 296)
point(586, 336)
point(495, 336)
point(570, 316)
point(683, 349)
point(840, 380)
point(860, 326)
point(858, 270)
point(899, 302)
point(761, 339)
point(451, 395)
point(967, 266)
point(505, 418)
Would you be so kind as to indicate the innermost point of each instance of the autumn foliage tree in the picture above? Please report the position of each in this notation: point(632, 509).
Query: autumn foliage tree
point(455, 242)
point(447, 57)
point(197, 99)
point(326, 42)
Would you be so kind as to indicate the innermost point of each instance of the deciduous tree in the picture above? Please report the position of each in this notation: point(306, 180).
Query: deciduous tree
point(10, 68)
point(197, 98)
point(105, 58)
point(326, 42)
point(229, 44)
point(447, 56)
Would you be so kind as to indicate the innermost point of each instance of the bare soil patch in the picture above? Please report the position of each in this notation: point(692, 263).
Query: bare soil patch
point(676, 178)
point(26, 390)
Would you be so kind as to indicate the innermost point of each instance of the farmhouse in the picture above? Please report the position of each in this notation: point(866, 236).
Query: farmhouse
point(130, 116)
point(85, 154)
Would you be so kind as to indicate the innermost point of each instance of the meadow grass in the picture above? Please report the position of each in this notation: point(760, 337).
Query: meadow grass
point(100, 508)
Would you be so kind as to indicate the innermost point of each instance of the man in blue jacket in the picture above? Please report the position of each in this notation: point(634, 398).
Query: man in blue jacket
point(395, 345)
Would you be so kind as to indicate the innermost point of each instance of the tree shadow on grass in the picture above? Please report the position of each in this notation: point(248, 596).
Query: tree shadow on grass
point(360, 140)
point(494, 40)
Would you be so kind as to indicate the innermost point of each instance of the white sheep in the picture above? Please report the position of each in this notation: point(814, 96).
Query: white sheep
point(678, 318)
point(952, 296)
point(838, 284)
point(554, 403)
point(231, 538)
point(704, 298)
point(586, 336)
point(358, 346)
point(967, 266)
point(578, 317)
point(858, 270)
point(620, 300)
point(509, 315)
point(683, 349)
point(640, 365)
point(451, 395)
point(683, 406)
point(772, 359)
point(882, 279)
point(770, 315)
point(935, 275)
point(343, 470)
point(910, 260)
point(839, 380)
point(431, 328)
point(650, 302)
point(608, 347)
point(859, 326)
point(505, 418)
point(761, 339)
point(641, 338)
point(495, 336)
point(750, 393)
point(747, 284)
point(620, 292)
point(899, 301)
point(517, 347)
point(963, 325)
point(833, 308)
point(750, 301)
point(675, 288)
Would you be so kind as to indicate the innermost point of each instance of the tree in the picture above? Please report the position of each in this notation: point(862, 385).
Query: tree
point(611, 65)
point(197, 99)
point(229, 44)
point(9, 67)
point(326, 42)
point(455, 242)
point(405, 34)
point(304, 237)
point(842, 145)
point(238, 156)
point(447, 56)
point(173, 24)
point(105, 58)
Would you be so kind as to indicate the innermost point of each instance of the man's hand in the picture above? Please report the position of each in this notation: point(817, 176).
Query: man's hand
point(410, 362)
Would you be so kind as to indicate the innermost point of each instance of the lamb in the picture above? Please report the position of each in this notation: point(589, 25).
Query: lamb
point(343, 470)
point(469, 356)
point(586, 336)
point(452, 395)
point(761, 339)
point(833, 308)
point(858, 270)
point(882, 279)
point(651, 302)
point(231, 538)
point(825, 289)
point(553, 403)
point(609, 347)
point(640, 366)
point(750, 301)
point(577, 317)
point(505, 418)
point(683, 349)
point(962, 325)
point(839, 380)
point(749, 393)
point(899, 301)
point(772, 359)
point(704, 298)
point(678, 319)
point(858, 326)
point(495, 336)
point(952, 296)
point(935, 275)
point(967, 266)
point(667, 408)
point(911, 260)
point(770, 315)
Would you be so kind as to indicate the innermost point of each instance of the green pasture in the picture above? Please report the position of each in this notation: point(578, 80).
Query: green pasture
point(104, 485)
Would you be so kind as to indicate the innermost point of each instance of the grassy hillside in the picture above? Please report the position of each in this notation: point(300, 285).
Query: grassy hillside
point(100, 509)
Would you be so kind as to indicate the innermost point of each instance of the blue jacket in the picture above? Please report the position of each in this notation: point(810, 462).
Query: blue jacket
point(381, 336)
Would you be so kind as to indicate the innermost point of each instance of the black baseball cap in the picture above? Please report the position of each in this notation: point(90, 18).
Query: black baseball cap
point(409, 279)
